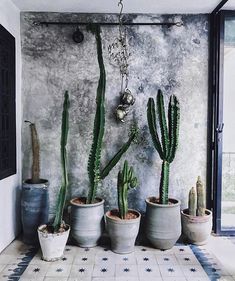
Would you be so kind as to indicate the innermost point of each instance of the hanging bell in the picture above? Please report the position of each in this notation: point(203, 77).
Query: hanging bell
point(121, 112)
point(127, 97)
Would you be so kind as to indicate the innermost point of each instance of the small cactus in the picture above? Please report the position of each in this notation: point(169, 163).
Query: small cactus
point(201, 196)
point(192, 202)
point(196, 200)
point(126, 180)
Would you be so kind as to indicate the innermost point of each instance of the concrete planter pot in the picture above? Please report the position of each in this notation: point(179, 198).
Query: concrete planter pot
point(163, 223)
point(52, 244)
point(87, 222)
point(34, 209)
point(196, 229)
point(122, 233)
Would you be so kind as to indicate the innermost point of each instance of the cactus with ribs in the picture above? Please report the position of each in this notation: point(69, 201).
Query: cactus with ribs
point(197, 199)
point(167, 146)
point(126, 180)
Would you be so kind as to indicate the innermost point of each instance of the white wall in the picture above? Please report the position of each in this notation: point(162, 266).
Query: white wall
point(10, 187)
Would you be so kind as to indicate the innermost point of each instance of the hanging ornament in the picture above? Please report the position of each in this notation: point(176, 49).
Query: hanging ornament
point(119, 54)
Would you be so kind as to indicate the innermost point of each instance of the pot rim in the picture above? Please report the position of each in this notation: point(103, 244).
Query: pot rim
point(208, 213)
point(177, 203)
point(123, 221)
point(52, 234)
point(42, 182)
point(86, 205)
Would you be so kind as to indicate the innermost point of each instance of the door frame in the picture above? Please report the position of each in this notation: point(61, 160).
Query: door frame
point(215, 117)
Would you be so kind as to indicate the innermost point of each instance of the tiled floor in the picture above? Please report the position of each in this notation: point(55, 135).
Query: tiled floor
point(181, 263)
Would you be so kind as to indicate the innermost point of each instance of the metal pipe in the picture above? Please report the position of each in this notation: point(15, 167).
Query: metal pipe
point(219, 6)
point(168, 24)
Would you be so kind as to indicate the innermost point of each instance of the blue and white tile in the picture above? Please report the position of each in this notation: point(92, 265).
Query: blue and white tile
point(128, 270)
point(166, 260)
point(187, 259)
point(193, 271)
point(32, 279)
point(55, 279)
point(182, 250)
point(36, 270)
point(143, 249)
point(125, 259)
point(81, 271)
point(206, 278)
point(83, 259)
point(103, 279)
point(148, 271)
point(55, 270)
point(104, 271)
point(7, 259)
point(79, 279)
point(12, 269)
point(2, 266)
point(128, 279)
point(146, 258)
point(174, 278)
point(171, 271)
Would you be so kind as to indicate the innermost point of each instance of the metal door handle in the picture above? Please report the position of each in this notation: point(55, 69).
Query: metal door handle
point(219, 128)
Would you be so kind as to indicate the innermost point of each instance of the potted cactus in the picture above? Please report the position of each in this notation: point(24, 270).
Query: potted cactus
point(163, 226)
point(53, 236)
point(34, 195)
point(197, 220)
point(123, 224)
point(87, 212)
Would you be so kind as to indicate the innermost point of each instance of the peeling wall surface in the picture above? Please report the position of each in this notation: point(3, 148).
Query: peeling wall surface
point(173, 59)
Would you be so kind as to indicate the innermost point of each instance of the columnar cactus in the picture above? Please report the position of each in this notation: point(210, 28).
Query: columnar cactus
point(126, 180)
point(35, 178)
point(166, 148)
point(94, 164)
point(197, 200)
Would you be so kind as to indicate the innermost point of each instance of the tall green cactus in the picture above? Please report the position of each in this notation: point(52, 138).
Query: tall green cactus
point(94, 165)
point(126, 180)
point(63, 188)
point(197, 199)
point(166, 148)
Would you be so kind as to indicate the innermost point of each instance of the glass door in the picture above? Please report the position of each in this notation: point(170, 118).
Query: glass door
point(228, 141)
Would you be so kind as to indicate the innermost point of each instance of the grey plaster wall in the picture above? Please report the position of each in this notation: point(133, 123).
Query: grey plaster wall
point(175, 60)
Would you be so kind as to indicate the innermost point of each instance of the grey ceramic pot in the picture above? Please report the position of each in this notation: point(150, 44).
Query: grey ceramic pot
point(34, 209)
point(87, 222)
point(122, 233)
point(163, 223)
point(196, 229)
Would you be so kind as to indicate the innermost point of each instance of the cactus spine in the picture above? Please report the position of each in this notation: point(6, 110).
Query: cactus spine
point(197, 200)
point(94, 164)
point(126, 180)
point(166, 148)
point(36, 153)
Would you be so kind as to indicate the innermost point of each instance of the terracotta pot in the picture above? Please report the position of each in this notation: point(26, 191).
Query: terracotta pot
point(196, 229)
point(52, 244)
point(163, 224)
point(122, 232)
point(87, 222)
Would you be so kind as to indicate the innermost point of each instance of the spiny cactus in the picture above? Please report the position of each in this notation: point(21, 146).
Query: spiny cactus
point(94, 165)
point(166, 148)
point(197, 199)
point(126, 180)
point(63, 142)
point(35, 177)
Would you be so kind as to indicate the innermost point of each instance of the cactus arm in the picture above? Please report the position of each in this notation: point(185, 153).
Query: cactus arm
point(99, 124)
point(63, 189)
point(164, 183)
point(119, 192)
point(173, 120)
point(112, 163)
point(151, 116)
point(192, 202)
point(163, 124)
point(201, 198)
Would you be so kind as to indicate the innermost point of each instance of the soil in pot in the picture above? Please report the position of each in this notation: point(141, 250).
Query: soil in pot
point(87, 221)
point(114, 214)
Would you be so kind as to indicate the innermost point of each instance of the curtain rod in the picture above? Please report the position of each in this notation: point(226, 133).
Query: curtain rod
point(168, 24)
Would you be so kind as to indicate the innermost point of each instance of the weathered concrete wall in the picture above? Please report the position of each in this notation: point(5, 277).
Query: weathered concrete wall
point(175, 60)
